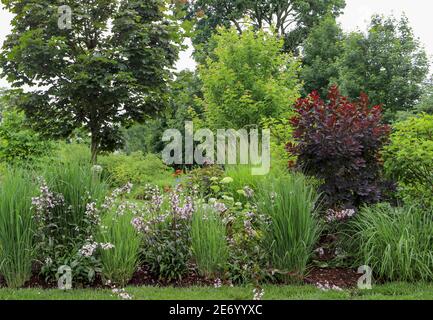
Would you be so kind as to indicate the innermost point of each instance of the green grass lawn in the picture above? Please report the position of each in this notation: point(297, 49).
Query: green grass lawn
point(400, 291)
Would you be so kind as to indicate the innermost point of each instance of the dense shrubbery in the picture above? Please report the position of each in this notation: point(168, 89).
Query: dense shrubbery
point(19, 143)
point(203, 179)
point(166, 230)
point(135, 168)
point(339, 142)
point(409, 158)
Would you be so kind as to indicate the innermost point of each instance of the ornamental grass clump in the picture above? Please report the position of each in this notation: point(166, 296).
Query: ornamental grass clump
point(119, 263)
point(209, 245)
point(17, 227)
point(395, 242)
point(294, 228)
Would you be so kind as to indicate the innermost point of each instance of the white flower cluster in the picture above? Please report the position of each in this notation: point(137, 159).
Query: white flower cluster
point(111, 199)
point(46, 201)
point(220, 207)
point(185, 211)
point(92, 212)
point(326, 286)
point(120, 292)
point(249, 193)
point(258, 294)
point(90, 247)
point(181, 210)
point(333, 215)
point(218, 283)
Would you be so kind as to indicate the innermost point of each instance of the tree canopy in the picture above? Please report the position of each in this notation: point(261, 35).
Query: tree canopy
point(291, 19)
point(248, 78)
point(389, 64)
point(320, 53)
point(110, 68)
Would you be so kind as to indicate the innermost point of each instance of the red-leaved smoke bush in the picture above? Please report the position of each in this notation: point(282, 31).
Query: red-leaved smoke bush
point(338, 141)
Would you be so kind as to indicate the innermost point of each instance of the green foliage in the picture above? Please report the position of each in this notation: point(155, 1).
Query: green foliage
point(281, 133)
point(137, 169)
point(426, 102)
point(292, 19)
point(247, 78)
point(321, 50)
point(408, 158)
point(120, 262)
point(186, 105)
point(290, 204)
point(202, 179)
point(77, 183)
point(242, 177)
point(16, 227)
point(209, 245)
point(389, 64)
point(247, 260)
point(394, 242)
point(145, 137)
point(65, 215)
point(19, 143)
point(167, 234)
point(111, 67)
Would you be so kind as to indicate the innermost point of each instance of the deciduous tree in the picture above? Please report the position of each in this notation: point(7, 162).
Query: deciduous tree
point(110, 68)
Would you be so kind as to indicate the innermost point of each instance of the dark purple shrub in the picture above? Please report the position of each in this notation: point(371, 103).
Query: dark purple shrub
point(338, 142)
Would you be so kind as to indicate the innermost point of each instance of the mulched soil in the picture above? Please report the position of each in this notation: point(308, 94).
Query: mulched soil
point(340, 277)
point(144, 277)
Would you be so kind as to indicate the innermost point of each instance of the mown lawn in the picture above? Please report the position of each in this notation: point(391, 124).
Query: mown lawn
point(398, 291)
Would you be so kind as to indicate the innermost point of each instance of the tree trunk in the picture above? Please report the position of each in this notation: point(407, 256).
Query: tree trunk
point(94, 148)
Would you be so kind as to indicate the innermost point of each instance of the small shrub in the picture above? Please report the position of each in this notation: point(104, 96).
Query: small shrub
point(166, 229)
point(202, 178)
point(16, 227)
point(294, 229)
point(209, 246)
point(66, 214)
point(136, 169)
point(119, 263)
point(339, 142)
point(395, 242)
point(408, 158)
point(242, 177)
point(247, 261)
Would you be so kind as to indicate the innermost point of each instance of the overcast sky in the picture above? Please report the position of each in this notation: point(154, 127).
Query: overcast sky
point(356, 16)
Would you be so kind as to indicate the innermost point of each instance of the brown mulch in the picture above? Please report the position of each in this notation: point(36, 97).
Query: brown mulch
point(144, 277)
point(340, 277)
